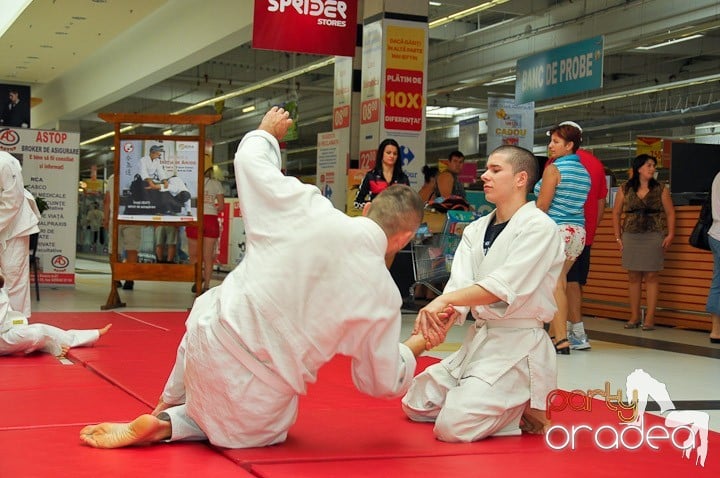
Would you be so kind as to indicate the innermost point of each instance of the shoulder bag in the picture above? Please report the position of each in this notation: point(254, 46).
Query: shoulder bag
point(699, 235)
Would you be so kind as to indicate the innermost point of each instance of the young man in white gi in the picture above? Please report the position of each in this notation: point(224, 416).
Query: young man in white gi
point(313, 284)
point(504, 271)
point(19, 218)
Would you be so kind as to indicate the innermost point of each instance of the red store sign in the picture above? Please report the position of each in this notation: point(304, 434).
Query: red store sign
point(323, 27)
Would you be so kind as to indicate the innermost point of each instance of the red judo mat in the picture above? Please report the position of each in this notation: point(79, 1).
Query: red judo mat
point(339, 430)
point(56, 451)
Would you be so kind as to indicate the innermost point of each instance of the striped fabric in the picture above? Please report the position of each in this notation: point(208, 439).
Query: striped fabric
point(567, 206)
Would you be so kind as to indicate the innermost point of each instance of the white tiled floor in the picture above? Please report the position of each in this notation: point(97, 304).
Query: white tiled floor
point(687, 377)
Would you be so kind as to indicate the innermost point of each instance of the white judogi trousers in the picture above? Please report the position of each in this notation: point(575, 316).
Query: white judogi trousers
point(15, 267)
point(44, 338)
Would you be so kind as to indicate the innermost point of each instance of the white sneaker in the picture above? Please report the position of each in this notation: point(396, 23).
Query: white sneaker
point(578, 342)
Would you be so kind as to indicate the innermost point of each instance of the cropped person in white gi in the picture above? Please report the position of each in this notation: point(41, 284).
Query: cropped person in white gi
point(17, 337)
point(255, 341)
point(504, 271)
point(19, 217)
point(151, 170)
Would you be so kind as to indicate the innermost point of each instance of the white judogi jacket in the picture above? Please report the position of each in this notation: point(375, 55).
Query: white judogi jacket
point(19, 218)
point(313, 284)
point(522, 269)
point(18, 213)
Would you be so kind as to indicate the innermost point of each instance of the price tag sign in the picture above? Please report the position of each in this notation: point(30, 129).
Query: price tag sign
point(403, 100)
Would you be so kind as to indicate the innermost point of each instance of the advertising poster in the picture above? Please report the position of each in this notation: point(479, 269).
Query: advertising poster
point(354, 178)
point(405, 89)
point(158, 180)
point(370, 94)
point(342, 109)
point(469, 136)
point(50, 163)
point(330, 170)
point(510, 123)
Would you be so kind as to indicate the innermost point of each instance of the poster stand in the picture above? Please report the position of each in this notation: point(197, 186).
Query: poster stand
point(160, 271)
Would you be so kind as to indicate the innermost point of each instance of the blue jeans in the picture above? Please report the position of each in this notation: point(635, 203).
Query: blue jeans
point(713, 301)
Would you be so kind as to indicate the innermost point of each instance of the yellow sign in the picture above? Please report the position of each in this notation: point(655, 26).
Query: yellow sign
point(652, 147)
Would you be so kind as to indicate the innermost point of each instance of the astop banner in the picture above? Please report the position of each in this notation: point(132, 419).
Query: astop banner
point(323, 27)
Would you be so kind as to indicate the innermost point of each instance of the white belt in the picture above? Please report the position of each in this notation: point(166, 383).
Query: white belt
point(510, 323)
point(252, 363)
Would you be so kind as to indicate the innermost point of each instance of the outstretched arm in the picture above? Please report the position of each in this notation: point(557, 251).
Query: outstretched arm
point(434, 320)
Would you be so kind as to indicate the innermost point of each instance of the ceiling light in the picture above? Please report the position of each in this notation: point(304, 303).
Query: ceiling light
point(262, 84)
point(435, 4)
point(670, 42)
point(630, 93)
point(126, 129)
point(500, 81)
point(440, 112)
point(167, 132)
point(470, 11)
point(248, 109)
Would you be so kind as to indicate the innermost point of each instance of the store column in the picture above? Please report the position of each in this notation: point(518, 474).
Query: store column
point(394, 82)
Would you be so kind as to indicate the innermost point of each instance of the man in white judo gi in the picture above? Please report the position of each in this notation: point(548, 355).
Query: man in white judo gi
point(504, 271)
point(313, 284)
point(19, 219)
point(19, 337)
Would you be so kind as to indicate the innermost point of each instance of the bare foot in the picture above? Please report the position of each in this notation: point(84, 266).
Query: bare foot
point(63, 351)
point(534, 421)
point(104, 330)
point(144, 430)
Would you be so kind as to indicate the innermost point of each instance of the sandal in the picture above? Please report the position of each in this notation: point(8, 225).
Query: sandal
point(632, 325)
point(648, 327)
point(562, 350)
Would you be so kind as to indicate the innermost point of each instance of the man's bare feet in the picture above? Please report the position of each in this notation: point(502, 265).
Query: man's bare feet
point(534, 421)
point(104, 330)
point(144, 430)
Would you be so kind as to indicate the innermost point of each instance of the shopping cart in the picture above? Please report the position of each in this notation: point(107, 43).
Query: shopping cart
point(432, 255)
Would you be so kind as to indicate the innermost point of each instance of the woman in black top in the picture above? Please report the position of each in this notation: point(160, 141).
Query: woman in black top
point(386, 172)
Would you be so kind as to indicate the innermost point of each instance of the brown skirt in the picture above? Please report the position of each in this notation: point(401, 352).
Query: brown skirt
point(643, 252)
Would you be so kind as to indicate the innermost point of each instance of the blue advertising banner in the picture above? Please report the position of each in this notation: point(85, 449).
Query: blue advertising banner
point(561, 71)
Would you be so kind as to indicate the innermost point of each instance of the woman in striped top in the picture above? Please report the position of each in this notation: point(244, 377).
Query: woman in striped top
point(561, 193)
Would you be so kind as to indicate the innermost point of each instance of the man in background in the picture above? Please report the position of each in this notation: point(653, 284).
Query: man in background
point(16, 112)
point(448, 183)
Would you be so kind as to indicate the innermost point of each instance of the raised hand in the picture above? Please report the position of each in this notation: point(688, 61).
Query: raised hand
point(276, 122)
